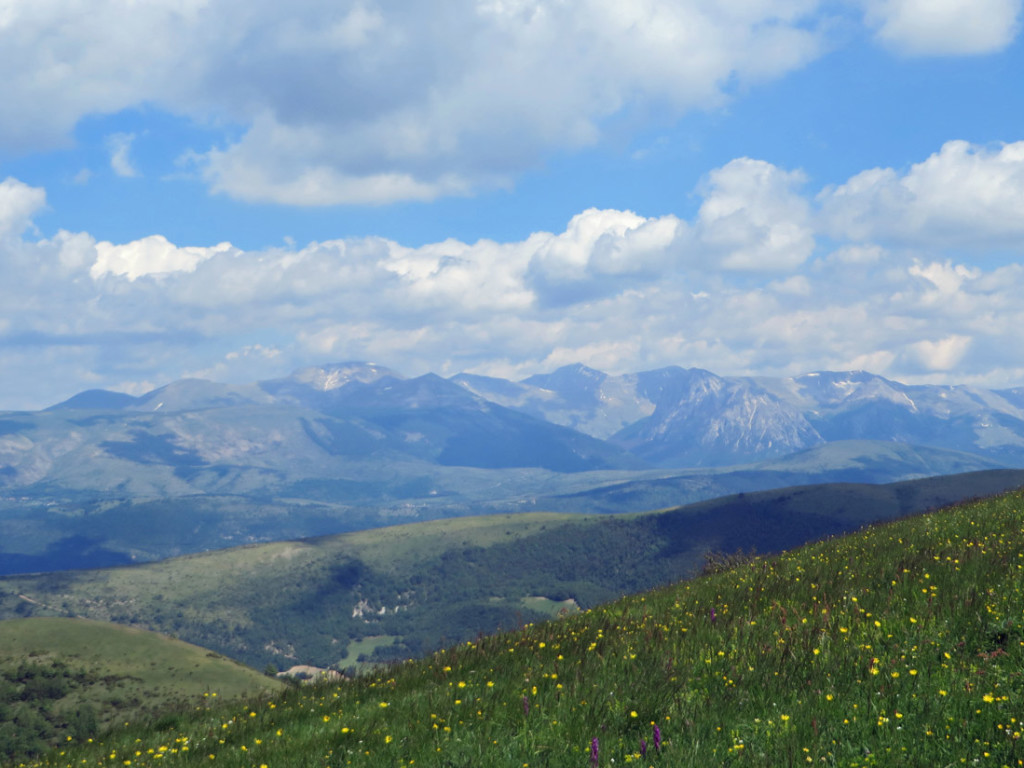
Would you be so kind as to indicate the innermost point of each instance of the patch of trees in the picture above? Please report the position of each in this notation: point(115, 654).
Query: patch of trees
point(34, 711)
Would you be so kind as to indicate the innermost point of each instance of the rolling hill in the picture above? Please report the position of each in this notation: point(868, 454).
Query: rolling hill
point(901, 645)
point(69, 679)
point(400, 592)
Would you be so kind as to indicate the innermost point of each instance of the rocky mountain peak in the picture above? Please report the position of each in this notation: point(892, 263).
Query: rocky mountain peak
point(325, 378)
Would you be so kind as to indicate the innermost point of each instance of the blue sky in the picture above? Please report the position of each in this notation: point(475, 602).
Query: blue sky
point(232, 190)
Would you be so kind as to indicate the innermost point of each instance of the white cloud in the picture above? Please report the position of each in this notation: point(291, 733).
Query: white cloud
point(614, 289)
point(120, 146)
point(152, 255)
point(18, 203)
point(942, 355)
point(373, 102)
point(944, 27)
point(946, 277)
point(963, 195)
point(752, 218)
point(517, 80)
point(601, 252)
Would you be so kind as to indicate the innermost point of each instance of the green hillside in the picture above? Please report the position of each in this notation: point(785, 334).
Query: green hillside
point(404, 591)
point(73, 677)
point(901, 645)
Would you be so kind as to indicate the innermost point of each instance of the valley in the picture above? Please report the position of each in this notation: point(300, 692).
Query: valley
point(330, 601)
point(349, 519)
point(898, 644)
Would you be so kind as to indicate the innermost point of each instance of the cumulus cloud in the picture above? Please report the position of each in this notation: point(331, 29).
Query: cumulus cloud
point(964, 194)
point(614, 289)
point(753, 219)
point(601, 252)
point(153, 255)
point(944, 27)
point(363, 101)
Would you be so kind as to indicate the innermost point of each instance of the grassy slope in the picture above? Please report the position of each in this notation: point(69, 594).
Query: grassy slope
point(158, 664)
point(265, 603)
point(293, 602)
point(116, 673)
point(898, 645)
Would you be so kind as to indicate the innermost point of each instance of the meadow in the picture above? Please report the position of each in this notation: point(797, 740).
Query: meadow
point(901, 644)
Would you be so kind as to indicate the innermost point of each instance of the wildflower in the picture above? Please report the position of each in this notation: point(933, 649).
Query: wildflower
point(643, 748)
point(657, 738)
point(526, 705)
point(593, 752)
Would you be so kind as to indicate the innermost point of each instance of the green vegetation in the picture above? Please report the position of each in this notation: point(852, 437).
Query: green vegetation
point(901, 645)
point(427, 585)
point(318, 601)
point(104, 511)
point(69, 678)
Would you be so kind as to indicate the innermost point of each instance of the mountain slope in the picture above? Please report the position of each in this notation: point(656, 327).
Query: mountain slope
point(706, 420)
point(402, 591)
point(103, 478)
point(898, 645)
point(676, 417)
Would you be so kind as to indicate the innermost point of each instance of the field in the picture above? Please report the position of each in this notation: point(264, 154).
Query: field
point(901, 644)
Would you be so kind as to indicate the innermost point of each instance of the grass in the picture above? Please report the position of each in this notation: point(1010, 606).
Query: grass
point(153, 662)
point(359, 650)
point(60, 677)
point(901, 645)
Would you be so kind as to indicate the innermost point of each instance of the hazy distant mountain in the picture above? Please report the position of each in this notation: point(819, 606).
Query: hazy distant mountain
point(675, 417)
point(199, 436)
point(103, 477)
point(574, 396)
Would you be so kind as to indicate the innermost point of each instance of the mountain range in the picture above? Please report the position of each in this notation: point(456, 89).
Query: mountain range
point(573, 419)
point(197, 464)
point(675, 417)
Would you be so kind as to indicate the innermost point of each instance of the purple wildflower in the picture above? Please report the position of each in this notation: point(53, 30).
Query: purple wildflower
point(657, 737)
point(643, 747)
point(526, 705)
point(593, 752)
point(713, 615)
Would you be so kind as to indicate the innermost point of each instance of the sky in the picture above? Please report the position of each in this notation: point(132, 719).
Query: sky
point(234, 189)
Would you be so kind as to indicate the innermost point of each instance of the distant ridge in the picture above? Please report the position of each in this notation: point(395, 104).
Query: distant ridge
point(95, 399)
point(396, 592)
